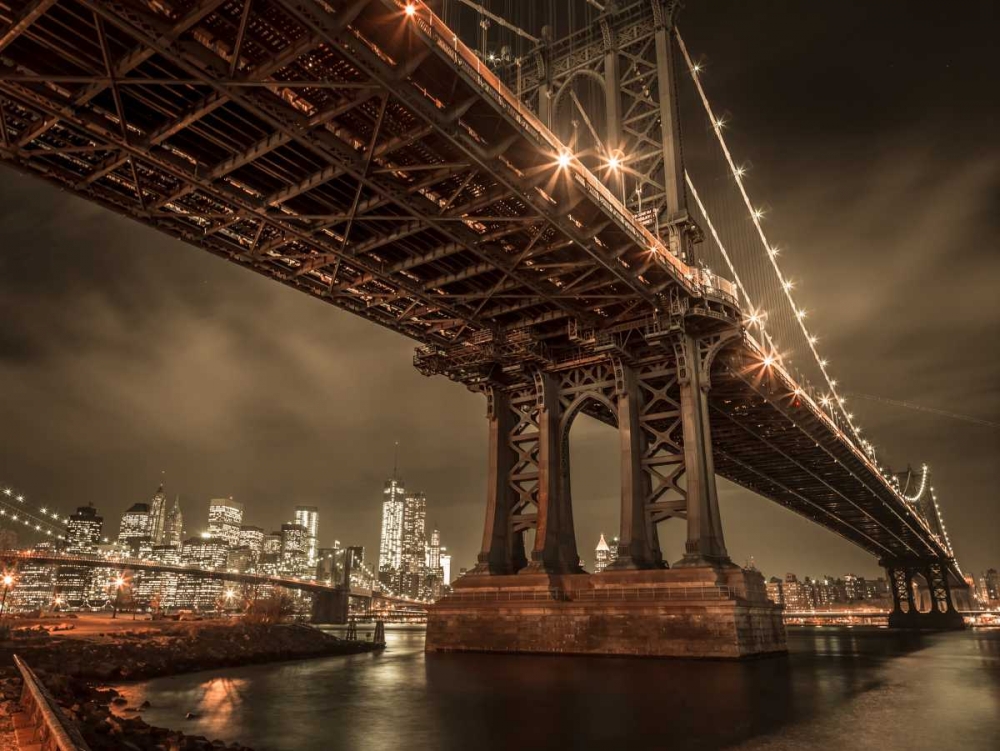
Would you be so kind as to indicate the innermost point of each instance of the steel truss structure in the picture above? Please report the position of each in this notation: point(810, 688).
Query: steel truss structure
point(356, 150)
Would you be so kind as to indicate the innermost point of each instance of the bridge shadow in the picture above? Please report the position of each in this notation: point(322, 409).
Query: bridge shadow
point(582, 702)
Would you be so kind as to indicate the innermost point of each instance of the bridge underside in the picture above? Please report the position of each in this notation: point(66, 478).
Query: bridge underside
point(362, 154)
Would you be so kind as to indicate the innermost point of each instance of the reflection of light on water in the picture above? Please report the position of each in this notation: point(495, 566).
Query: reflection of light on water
point(221, 698)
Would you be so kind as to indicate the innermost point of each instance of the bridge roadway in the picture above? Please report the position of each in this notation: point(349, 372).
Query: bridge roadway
point(362, 154)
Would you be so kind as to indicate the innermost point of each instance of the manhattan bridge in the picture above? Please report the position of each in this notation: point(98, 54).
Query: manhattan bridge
point(548, 206)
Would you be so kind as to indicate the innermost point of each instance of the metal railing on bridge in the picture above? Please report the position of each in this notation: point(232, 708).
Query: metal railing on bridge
point(464, 58)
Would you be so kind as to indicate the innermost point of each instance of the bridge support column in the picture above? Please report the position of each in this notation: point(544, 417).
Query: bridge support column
point(705, 545)
point(503, 550)
point(942, 616)
point(637, 546)
point(330, 607)
point(555, 540)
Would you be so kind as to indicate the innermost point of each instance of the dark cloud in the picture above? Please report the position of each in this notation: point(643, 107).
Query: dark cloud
point(872, 134)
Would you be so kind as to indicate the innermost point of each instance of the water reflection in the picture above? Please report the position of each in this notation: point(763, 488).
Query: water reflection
point(874, 688)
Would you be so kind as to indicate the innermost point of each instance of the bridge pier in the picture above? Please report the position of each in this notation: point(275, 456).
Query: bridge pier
point(330, 607)
point(942, 615)
point(704, 606)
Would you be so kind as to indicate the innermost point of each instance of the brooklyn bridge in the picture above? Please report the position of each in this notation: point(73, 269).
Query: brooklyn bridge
point(562, 230)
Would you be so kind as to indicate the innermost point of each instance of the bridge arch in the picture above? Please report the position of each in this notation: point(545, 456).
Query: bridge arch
point(591, 91)
point(595, 509)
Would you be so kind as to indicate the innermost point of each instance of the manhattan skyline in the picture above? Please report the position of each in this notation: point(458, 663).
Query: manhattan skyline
point(128, 353)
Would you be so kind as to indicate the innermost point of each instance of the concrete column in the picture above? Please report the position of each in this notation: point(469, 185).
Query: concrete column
point(497, 553)
point(705, 544)
point(635, 549)
point(555, 540)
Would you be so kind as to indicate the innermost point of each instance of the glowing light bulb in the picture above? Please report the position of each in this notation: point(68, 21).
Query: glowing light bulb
point(614, 162)
point(768, 361)
point(564, 159)
point(800, 314)
point(720, 123)
point(410, 9)
point(813, 340)
point(740, 171)
point(696, 68)
point(787, 285)
point(822, 363)
point(758, 214)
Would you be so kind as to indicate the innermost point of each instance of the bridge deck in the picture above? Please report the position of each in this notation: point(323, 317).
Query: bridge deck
point(364, 156)
point(376, 166)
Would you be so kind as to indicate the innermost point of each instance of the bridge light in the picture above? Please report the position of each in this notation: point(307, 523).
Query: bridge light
point(696, 68)
point(740, 171)
point(564, 159)
point(768, 361)
point(758, 214)
point(21, 498)
point(800, 314)
point(813, 340)
point(7, 491)
point(119, 581)
point(410, 9)
point(787, 284)
point(822, 363)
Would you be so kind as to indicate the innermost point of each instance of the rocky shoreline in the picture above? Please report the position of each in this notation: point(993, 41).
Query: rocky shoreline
point(75, 671)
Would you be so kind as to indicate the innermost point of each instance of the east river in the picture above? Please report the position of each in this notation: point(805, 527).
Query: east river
point(844, 689)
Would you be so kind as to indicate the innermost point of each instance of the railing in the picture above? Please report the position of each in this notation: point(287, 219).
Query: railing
point(42, 724)
point(448, 42)
point(621, 594)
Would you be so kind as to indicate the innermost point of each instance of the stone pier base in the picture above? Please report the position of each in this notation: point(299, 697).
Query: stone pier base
point(690, 612)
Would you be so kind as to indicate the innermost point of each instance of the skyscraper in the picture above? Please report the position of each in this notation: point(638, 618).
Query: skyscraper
point(83, 531)
point(445, 567)
point(308, 517)
point(225, 517)
point(136, 525)
point(253, 538)
point(157, 515)
point(414, 553)
point(83, 534)
point(434, 550)
point(390, 552)
point(602, 555)
point(173, 526)
point(294, 544)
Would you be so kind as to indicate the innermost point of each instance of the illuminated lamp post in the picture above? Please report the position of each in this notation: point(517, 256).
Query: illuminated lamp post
point(119, 583)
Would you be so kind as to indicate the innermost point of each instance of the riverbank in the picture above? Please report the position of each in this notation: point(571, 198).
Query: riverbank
point(75, 669)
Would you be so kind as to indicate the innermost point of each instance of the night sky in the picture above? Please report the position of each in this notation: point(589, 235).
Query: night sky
point(872, 133)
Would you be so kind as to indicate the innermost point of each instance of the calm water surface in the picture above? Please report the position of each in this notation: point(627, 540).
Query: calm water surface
point(839, 688)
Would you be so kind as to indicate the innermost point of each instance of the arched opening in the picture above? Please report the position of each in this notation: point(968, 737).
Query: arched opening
point(579, 114)
point(922, 595)
point(593, 475)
